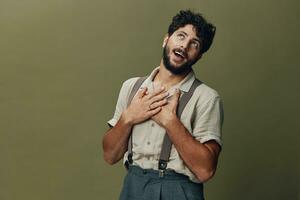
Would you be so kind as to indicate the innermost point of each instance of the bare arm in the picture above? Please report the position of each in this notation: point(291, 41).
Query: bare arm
point(115, 140)
point(142, 107)
point(200, 158)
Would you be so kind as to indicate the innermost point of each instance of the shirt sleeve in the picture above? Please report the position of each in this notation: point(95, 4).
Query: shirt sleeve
point(209, 120)
point(122, 101)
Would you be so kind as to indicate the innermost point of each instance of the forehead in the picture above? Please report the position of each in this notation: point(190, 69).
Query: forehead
point(189, 30)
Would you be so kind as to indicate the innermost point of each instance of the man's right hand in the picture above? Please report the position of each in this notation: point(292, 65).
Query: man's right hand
point(145, 105)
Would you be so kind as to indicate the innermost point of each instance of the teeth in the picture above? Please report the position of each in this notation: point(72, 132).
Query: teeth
point(180, 53)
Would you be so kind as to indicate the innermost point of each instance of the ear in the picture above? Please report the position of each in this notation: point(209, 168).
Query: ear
point(165, 40)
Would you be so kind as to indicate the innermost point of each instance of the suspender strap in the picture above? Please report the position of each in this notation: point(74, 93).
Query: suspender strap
point(134, 90)
point(167, 144)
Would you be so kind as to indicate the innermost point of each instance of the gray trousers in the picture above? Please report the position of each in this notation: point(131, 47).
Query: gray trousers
point(145, 184)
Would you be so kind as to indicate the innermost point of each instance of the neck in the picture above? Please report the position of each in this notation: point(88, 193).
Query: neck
point(165, 78)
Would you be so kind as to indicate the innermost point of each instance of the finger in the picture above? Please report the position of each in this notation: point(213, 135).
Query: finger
point(142, 92)
point(177, 93)
point(158, 103)
point(156, 92)
point(159, 97)
point(154, 111)
point(175, 98)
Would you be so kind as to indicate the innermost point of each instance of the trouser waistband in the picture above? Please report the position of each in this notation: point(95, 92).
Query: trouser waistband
point(151, 173)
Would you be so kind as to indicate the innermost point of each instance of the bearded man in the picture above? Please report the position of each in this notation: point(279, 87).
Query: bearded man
point(167, 126)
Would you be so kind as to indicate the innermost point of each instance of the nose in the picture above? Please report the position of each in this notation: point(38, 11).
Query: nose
point(184, 44)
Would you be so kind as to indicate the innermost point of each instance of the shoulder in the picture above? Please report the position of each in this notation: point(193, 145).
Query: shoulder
point(208, 102)
point(126, 88)
point(128, 84)
point(206, 93)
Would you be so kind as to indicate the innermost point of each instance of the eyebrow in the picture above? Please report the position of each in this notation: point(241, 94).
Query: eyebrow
point(196, 39)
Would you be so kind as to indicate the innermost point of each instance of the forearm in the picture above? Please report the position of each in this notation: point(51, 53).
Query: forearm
point(199, 158)
point(115, 140)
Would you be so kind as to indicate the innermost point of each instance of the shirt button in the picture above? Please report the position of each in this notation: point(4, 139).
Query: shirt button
point(152, 124)
point(148, 143)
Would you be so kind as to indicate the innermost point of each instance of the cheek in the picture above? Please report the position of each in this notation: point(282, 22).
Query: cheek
point(171, 43)
point(193, 55)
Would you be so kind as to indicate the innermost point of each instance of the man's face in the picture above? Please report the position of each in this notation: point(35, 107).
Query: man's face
point(181, 50)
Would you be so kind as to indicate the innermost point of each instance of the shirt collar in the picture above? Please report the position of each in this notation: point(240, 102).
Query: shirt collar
point(184, 85)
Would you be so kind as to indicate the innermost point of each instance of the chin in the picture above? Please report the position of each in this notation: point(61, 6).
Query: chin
point(177, 65)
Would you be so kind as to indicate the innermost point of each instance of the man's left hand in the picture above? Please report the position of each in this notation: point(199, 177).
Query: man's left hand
point(168, 111)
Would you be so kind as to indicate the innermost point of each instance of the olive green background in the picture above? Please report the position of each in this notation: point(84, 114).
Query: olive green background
point(62, 64)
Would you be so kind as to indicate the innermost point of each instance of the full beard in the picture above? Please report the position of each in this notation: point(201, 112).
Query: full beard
point(185, 67)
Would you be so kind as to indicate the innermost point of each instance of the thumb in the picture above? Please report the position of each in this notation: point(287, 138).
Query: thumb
point(176, 96)
point(142, 92)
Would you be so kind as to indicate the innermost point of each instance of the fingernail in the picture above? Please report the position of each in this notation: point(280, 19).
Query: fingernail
point(162, 88)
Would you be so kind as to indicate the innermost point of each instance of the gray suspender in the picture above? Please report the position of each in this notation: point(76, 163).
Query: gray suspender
point(167, 144)
point(134, 90)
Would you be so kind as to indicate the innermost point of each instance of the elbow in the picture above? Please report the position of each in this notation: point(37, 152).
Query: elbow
point(110, 162)
point(204, 174)
point(110, 155)
point(107, 154)
point(108, 159)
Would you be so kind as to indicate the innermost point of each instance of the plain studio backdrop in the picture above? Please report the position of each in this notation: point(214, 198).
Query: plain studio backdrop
point(62, 64)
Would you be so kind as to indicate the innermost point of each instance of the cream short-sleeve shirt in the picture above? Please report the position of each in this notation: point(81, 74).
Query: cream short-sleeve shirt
point(202, 117)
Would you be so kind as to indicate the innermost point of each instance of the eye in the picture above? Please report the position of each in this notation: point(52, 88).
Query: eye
point(180, 36)
point(195, 45)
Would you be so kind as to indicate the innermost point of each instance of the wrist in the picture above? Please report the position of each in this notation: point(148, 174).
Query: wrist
point(126, 118)
point(169, 122)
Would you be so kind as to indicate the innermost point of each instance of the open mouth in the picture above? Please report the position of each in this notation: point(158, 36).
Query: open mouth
point(179, 53)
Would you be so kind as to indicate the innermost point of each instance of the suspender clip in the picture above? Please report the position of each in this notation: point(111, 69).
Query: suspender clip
point(130, 158)
point(162, 165)
point(161, 173)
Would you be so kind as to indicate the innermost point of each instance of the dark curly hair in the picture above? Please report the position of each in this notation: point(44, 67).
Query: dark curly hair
point(204, 30)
